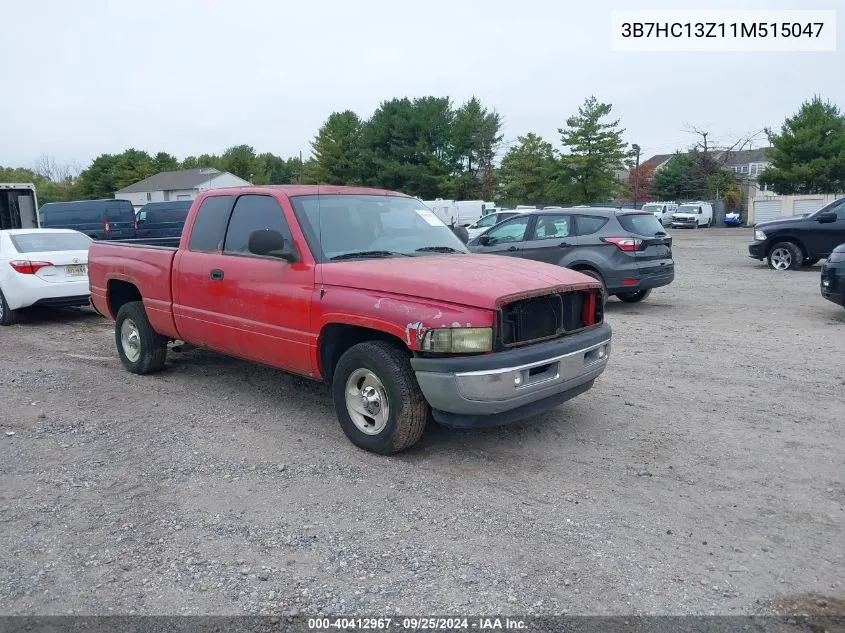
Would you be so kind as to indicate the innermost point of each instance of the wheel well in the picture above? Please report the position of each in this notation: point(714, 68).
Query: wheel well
point(583, 267)
point(791, 240)
point(120, 293)
point(336, 338)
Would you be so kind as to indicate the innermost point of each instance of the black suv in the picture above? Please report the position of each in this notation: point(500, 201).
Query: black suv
point(790, 243)
point(628, 251)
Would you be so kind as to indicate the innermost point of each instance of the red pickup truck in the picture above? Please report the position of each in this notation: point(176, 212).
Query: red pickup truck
point(368, 291)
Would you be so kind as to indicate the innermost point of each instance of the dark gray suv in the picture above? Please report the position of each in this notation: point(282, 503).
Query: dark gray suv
point(628, 251)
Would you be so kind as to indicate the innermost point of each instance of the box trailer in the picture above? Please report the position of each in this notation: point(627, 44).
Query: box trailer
point(18, 206)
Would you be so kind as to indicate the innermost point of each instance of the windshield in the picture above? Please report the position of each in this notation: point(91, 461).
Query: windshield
point(368, 226)
point(688, 208)
point(42, 242)
point(652, 208)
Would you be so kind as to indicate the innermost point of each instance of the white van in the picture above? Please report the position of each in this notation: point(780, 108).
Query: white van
point(693, 215)
point(662, 211)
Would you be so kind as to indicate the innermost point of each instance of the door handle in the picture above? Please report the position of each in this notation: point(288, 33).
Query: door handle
point(564, 244)
point(216, 274)
point(512, 249)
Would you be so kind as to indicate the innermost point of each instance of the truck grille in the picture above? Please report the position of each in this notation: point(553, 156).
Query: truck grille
point(548, 316)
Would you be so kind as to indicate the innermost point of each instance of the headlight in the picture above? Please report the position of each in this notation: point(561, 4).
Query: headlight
point(464, 340)
point(759, 235)
point(836, 258)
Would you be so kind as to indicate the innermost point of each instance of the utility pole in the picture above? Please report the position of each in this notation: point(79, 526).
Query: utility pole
point(636, 148)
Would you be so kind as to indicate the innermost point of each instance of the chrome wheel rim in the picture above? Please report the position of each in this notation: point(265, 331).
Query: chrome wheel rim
point(130, 340)
point(781, 259)
point(1, 309)
point(366, 402)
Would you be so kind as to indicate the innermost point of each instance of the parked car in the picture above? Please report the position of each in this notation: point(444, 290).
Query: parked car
point(98, 219)
point(833, 276)
point(42, 267)
point(367, 290)
point(480, 226)
point(693, 215)
point(662, 211)
point(790, 243)
point(161, 222)
point(627, 250)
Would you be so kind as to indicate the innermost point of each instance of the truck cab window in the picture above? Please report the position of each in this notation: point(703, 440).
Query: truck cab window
point(210, 224)
point(253, 213)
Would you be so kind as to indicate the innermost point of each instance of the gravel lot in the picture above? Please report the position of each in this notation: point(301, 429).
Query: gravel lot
point(702, 474)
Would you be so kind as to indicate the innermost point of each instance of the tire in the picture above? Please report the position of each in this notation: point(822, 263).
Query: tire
point(7, 315)
point(634, 297)
point(811, 261)
point(785, 256)
point(142, 350)
point(592, 273)
point(376, 375)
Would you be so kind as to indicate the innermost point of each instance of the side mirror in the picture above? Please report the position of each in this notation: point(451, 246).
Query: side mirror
point(270, 243)
point(827, 217)
point(484, 240)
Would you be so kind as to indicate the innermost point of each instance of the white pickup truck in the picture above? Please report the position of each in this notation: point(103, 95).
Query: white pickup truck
point(18, 206)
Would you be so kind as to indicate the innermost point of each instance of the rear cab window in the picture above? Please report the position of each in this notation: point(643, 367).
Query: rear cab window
point(209, 227)
point(641, 224)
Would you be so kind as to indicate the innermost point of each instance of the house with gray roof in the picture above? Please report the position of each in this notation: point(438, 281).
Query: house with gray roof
point(184, 184)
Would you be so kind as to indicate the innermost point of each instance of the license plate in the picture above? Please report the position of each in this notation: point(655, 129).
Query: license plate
point(76, 270)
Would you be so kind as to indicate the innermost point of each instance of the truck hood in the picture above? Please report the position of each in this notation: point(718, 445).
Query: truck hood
point(479, 281)
point(780, 221)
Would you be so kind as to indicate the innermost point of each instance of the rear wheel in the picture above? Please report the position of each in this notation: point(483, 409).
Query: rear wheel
point(377, 399)
point(7, 315)
point(785, 256)
point(142, 350)
point(634, 297)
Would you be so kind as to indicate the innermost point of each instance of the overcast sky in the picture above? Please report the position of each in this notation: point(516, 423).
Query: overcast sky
point(192, 77)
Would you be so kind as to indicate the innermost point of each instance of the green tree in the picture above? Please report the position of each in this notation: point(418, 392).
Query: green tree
point(165, 162)
point(239, 160)
point(476, 136)
point(274, 170)
point(527, 172)
point(100, 179)
point(808, 155)
point(595, 151)
point(677, 180)
point(337, 150)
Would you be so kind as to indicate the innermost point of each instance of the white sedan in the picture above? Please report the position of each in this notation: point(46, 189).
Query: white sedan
point(42, 267)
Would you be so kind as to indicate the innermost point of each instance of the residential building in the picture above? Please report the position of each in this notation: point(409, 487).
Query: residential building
point(747, 164)
point(184, 184)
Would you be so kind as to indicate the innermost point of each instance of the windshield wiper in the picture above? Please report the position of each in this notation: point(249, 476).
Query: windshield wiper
point(437, 249)
point(367, 254)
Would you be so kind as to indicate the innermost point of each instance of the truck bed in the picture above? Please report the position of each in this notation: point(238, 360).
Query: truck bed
point(147, 268)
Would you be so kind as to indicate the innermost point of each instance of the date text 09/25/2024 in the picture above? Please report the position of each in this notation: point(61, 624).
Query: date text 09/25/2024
point(416, 624)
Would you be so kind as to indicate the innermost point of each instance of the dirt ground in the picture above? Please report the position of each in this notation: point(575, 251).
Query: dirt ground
point(703, 474)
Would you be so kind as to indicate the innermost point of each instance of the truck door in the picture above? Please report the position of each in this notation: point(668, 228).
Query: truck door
point(260, 306)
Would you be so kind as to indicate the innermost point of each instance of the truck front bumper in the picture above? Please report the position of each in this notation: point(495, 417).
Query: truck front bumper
point(504, 387)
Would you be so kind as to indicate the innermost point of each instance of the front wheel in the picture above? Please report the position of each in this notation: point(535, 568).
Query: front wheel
point(634, 297)
point(142, 350)
point(785, 256)
point(377, 399)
